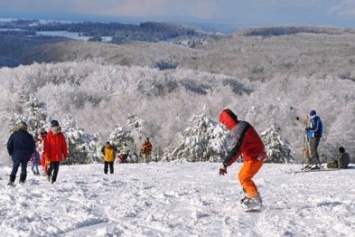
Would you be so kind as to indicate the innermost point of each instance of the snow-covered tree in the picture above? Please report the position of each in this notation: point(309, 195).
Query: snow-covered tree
point(278, 151)
point(205, 140)
point(81, 145)
point(33, 112)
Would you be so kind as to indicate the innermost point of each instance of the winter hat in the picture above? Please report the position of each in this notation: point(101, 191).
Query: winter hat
point(313, 112)
point(228, 118)
point(54, 123)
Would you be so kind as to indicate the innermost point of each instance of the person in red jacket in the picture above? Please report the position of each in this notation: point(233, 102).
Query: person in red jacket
point(55, 150)
point(247, 143)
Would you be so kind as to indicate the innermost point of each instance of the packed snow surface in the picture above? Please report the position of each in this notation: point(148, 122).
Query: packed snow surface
point(177, 199)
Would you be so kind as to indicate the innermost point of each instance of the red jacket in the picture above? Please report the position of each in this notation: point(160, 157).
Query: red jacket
point(55, 147)
point(245, 140)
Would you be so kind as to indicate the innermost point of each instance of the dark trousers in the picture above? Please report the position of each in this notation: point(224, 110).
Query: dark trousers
point(106, 165)
point(313, 147)
point(54, 166)
point(16, 164)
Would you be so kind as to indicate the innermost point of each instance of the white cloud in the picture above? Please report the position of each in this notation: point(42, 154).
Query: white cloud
point(346, 8)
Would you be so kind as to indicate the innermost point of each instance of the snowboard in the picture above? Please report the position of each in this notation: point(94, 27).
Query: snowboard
point(253, 209)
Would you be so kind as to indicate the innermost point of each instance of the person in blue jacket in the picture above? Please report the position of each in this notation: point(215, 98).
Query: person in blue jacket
point(314, 133)
point(20, 147)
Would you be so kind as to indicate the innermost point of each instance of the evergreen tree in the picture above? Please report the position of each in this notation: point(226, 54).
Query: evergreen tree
point(33, 112)
point(81, 145)
point(278, 151)
point(205, 140)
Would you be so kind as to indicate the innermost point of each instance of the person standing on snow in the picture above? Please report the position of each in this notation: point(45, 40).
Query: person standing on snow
point(314, 133)
point(109, 156)
point(305, 149)
point(40, 140)
point(146, 150)
point(35, 159)
point(247, 143)
point(55, 150)
point(20, 147)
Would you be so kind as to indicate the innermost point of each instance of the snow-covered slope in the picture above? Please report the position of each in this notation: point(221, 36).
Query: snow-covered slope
point(177, 199)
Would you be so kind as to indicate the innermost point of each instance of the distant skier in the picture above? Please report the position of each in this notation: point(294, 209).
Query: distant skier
point(247, 143)
point(314, 134)
point(20, 147)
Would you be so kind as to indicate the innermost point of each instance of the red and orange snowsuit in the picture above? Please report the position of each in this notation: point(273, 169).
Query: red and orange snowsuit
point(246, 142)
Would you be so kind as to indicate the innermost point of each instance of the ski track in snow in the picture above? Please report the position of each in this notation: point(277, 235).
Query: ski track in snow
point(177, 199)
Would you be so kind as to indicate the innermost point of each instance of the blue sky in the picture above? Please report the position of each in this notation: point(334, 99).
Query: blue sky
point(239, 12)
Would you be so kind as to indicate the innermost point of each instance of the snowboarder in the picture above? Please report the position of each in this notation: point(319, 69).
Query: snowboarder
point(314, 133)
point(246, 142)
point(109, 156)
point(55, 149)
point(20, 147)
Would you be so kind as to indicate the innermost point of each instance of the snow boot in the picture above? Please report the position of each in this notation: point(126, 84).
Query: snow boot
point(254, 203)
point(23, 178)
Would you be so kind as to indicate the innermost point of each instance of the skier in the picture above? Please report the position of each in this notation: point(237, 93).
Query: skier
point(246, 142)
point(55, 149)
point(20, 147)
point(314, 134)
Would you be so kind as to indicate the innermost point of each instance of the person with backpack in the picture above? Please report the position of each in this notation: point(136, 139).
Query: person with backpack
point(20, 147)
point(314, 134)
point(247, 143)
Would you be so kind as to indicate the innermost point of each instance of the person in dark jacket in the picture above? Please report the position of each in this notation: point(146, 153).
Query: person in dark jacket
point(314, 134)
point(20, 147)
point(342, 161)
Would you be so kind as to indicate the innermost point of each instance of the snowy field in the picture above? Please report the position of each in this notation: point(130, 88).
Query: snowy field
point(177, 199)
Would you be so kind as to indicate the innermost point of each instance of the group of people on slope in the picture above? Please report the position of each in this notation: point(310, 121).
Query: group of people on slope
point(21, 146)
point(109, 151)
point(245, 141)
point(313, 134)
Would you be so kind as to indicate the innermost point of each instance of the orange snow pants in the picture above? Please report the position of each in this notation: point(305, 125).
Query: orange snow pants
point(246, 173)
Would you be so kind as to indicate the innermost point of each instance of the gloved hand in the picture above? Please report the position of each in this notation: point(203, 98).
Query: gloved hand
point(47, 161)
point(307, 129)
point(223, 170)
